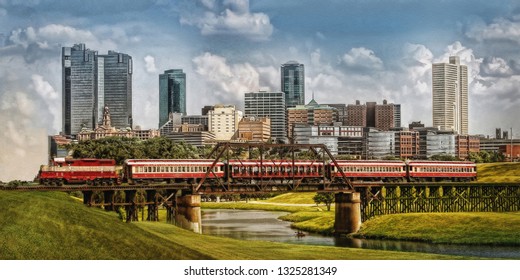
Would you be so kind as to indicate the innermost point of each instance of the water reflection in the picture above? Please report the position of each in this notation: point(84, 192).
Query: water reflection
point(264, 225)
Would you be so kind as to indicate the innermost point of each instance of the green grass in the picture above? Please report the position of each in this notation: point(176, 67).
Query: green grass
point(501, 172)
point(460, 228)
point(258, 206)
point(455, 228)
point(293, 198)
point(319, 222)
point(48, 225)
point(53, 226)
point(231, 249)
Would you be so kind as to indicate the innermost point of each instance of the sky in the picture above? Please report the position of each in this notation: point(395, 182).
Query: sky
point(366, 50)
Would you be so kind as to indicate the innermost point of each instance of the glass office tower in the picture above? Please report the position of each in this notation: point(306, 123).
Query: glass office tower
point(172, 94)
point(91, 81)
point(115, 88)
point(293, 83)
point(78, 88)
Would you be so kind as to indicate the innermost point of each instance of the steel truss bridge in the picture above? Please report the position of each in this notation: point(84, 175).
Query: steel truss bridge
point(377, 198)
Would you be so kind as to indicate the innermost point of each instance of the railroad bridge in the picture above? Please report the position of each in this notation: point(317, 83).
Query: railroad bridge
point(354, 202)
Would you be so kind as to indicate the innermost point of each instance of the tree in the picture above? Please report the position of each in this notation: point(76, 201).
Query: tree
point(444, 157)
point(326, 198)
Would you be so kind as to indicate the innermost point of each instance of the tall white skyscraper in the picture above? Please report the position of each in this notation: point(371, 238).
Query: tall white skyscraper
point(450, 96)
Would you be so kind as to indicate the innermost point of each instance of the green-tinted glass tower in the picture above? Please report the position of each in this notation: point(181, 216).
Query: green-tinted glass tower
point(172, 94)
point(293, 83)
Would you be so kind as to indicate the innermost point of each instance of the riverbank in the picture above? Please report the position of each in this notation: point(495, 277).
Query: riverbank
point(54, 226)
point(480, 228)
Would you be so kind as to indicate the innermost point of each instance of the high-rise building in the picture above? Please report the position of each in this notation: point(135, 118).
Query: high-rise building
point(78, 89)
point(381, 116)
point(172, 94)
point(254, 129)
point(293, 83)
point(342, 112)
point(114, 87)
point(271, 105)
point(89, 83)
point(356, 114)
point(223, 121)
point(450, 96)
point(312, 113)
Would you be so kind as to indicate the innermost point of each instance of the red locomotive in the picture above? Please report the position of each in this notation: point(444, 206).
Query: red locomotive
point(78, 171)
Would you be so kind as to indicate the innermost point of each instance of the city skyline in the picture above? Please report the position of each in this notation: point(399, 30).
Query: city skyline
point(352, 50)
point(91, 81)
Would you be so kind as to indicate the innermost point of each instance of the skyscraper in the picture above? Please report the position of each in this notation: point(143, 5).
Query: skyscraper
point(271, 105)
point(115, 87)
point(380, 116)
point(450, 96)
point(293, 83)
point(172, 94)
point(78, 89)
point(89, 83)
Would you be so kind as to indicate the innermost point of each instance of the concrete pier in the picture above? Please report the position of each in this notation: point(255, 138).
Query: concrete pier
point(188, 215)
point(348, 213)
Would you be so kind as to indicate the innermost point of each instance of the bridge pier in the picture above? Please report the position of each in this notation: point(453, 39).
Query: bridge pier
point(87, 197)
point(108, 200)
point(348, 213)
point(153, 209)
point(188, 215)
point(130, 207)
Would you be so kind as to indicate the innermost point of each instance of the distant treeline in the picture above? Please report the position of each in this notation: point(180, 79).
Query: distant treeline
point(121, 148)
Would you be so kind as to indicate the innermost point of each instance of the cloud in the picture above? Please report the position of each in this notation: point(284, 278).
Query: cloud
point(29, 100)
point(501, 29)
point(362, 59)
point(233, 18)
point(496, 67)
point(149, 62)
point(225, 83)
point(467, 57)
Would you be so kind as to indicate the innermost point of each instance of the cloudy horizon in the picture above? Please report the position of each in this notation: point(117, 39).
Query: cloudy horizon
point(352, 50)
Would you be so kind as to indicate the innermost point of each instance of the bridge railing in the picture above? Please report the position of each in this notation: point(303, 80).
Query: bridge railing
point(396, 199)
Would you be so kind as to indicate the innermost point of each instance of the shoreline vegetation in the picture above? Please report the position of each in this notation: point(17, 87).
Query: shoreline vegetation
point(54, 226)
point(477, 228)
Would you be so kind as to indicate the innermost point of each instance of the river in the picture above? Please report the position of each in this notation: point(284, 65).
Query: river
point(265, 225)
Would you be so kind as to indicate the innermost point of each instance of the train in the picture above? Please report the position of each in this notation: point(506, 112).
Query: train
point(143, 171)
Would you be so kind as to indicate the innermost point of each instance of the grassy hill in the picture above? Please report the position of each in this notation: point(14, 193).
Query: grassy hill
point(48, 225)
point(499, 172)
point(52, 225)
